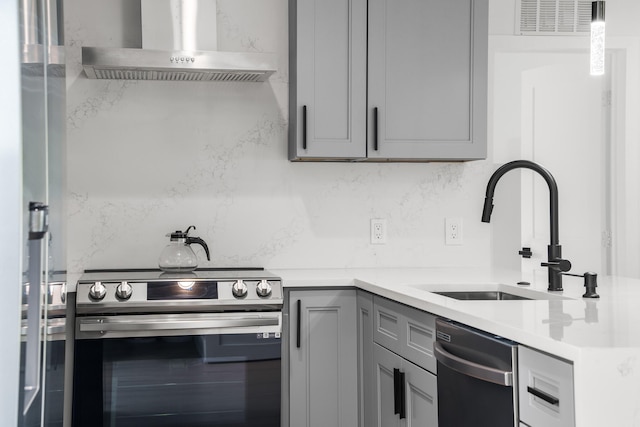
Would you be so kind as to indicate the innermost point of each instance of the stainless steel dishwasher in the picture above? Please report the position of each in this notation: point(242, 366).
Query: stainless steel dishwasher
point(476, 382)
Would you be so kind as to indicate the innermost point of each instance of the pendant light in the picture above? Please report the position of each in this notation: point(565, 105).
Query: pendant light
point(597, 38)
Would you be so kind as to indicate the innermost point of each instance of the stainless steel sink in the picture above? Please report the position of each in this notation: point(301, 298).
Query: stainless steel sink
point(488, 292)
point(481, 295)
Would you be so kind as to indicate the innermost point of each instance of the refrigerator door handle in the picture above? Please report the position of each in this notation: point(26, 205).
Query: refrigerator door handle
point(38, 217)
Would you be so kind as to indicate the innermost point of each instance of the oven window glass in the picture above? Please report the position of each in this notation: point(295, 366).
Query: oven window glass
point(185, 381)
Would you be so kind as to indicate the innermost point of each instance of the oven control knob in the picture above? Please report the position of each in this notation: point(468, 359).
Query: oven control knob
point(123, 291)
point(263, 289)
point(239, 289)
point(97, 291)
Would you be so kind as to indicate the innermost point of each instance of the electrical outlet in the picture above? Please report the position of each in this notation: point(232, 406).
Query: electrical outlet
point(453, 231)
point(378, 231)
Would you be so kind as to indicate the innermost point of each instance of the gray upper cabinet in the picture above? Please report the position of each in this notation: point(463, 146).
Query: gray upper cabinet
point(327, 91)
point(428, 79)
point(413, 89)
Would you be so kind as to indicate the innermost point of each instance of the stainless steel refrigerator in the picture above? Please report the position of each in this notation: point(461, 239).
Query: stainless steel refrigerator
point(32, 191)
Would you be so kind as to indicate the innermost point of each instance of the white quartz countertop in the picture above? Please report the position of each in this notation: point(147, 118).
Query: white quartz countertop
point(563, 324)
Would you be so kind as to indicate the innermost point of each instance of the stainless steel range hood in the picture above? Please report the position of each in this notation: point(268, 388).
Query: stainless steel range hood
point(144, 64)
point(179, 42)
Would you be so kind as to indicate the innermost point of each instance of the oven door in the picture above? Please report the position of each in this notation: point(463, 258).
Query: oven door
point(187, 370)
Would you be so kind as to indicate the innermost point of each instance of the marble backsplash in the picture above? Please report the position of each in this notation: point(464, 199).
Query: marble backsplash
point(149, 157)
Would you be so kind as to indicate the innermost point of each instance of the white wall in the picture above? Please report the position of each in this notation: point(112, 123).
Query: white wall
point(511, 58)
point(146, 158)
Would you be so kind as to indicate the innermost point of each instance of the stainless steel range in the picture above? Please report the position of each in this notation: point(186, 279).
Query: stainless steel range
point(181, 349)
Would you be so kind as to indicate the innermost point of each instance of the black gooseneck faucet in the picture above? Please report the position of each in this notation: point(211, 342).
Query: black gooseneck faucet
point(555, 263)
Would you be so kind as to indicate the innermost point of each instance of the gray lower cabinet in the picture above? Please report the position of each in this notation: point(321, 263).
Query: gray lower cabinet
point(405, 394)
point(401, 377)
point(545, 390)
point(385, 80)
point(406, 331)
point(323, 368)
point(366, 383)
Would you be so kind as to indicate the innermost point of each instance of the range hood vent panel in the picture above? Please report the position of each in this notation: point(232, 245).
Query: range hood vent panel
point(144, 64)
point(172, 63)
point(132, 74)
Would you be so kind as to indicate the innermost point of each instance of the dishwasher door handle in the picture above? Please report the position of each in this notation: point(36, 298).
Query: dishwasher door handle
point(472, 369)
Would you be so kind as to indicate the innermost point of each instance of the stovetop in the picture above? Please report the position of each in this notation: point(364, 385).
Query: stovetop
point(152, 290)
point(221, 273)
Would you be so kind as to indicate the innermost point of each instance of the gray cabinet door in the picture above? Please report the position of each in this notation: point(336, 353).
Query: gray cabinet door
point(323, 361)
point(384, 363)
point(420, 403)
point(366, 383)
point(327, 91)
point(427, 76)
point(421, 389)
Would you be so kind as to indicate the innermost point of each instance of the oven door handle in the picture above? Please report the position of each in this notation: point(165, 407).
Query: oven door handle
point(157, 323)
point(472, 369)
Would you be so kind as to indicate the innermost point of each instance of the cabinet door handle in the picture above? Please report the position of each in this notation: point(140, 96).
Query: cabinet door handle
point(375, 129)
point(403, 404)
point(299, 309)
point(396, 391)
point(544, 396)
point(304, 127)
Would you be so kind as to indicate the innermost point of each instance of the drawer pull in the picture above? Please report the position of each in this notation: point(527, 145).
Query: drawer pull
point(544, 396)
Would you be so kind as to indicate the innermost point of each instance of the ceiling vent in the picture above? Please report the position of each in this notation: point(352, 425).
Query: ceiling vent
point(553, 17)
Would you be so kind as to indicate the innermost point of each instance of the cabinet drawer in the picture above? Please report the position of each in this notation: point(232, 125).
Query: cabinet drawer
point(406, 331)
point(545, 389)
